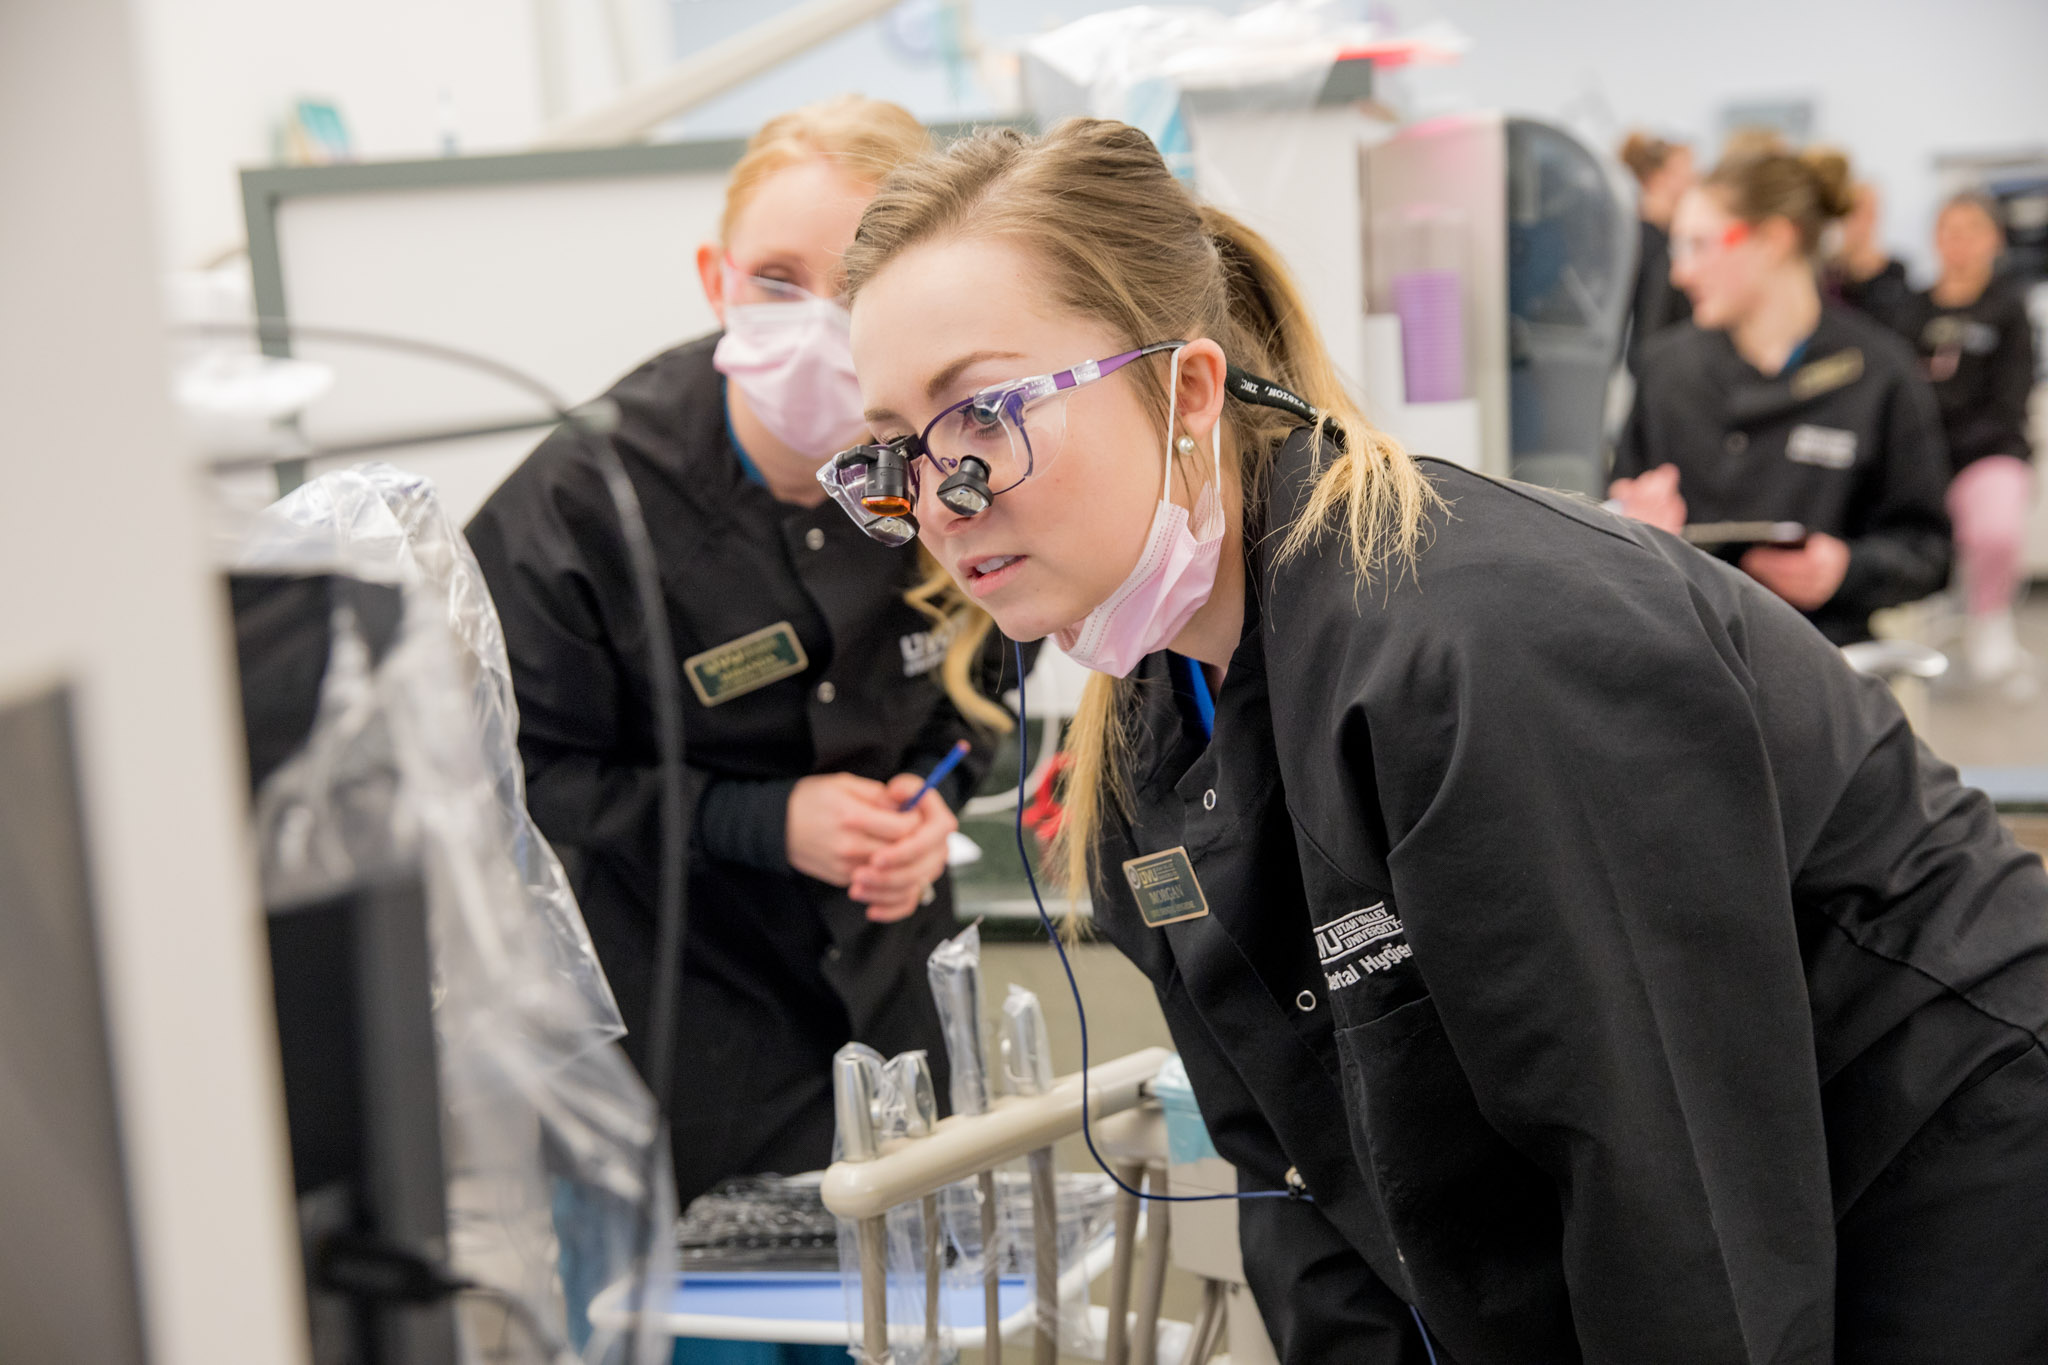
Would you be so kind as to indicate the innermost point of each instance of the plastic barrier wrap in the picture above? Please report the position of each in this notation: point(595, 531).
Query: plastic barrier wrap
point(965, 1237)
point(972, 1211)
point(1159, 68)
point(550, 1134)
point(881, 1102)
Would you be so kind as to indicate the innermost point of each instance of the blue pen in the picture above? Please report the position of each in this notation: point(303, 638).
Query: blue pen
point(946, 765)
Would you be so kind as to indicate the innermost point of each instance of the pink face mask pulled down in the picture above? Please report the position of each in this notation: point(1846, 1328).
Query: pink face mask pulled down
point(794, 362)
point(1172, 579)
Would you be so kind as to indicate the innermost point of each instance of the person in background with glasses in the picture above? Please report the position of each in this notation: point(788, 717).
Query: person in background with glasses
point(1773, 410)
point(825, 675)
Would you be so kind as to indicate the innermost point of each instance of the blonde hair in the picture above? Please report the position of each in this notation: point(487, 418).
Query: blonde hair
point(867, 138)
point(1809, 189)
point(1120, 240)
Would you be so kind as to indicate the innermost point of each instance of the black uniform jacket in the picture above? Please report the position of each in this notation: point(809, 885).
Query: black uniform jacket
point(1656, 302)
point(1980, 358)
point(1883, 296)
point(780, 969)
point(1580, 927)
point(1846, 442)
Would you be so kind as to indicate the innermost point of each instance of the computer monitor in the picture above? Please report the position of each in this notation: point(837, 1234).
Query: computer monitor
point(353, 977)
point(68, 1287)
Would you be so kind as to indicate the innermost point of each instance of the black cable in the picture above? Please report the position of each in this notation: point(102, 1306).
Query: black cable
point(1080, 1011)
point(1081, 1014)
point(672, 910)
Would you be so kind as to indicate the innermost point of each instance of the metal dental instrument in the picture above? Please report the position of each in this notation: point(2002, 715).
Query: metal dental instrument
point(853, 1105)
point(1027, 1052)
point(912, 1071)
point(955, 973)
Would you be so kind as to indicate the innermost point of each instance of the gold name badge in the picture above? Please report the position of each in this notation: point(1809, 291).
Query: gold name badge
point(1843, 367)
point(1165, 886)
point(747, 664)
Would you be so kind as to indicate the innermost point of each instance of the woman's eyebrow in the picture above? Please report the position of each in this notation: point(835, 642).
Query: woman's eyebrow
point(943, 380)
point(946, 378)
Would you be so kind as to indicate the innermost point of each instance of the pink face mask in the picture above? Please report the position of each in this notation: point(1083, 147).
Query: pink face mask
point(1173, 577)
point(794, 362)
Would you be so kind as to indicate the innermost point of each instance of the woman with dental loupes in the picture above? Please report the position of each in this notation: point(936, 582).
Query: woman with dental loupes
point(1606, 967)
point(820, 692)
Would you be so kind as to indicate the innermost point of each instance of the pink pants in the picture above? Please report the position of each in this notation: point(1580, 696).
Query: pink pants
point(1988, 503)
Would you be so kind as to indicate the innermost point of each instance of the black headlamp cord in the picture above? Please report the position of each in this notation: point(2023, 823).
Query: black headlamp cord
point(1081, 1012)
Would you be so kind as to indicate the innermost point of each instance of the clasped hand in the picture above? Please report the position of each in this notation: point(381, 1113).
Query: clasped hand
point(847, 831)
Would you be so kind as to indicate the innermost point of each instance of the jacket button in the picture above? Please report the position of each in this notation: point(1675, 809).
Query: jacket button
point(1736, 443)
point(815, 538)
point(1209, 799)
point(1305, 1002)
point(826, 692)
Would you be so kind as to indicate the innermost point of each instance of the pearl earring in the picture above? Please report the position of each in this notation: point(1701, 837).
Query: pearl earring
point(1186, 445)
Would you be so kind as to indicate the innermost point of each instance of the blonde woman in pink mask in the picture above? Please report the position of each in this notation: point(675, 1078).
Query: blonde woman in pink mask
point(822, 687)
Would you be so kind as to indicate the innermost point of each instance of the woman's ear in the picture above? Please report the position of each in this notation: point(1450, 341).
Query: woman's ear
point(1781, 235)
point(711, 274)
point(1203, 369)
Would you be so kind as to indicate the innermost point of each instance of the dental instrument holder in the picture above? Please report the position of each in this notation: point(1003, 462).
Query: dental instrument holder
point(954, 970)
point(1027, 1065)
point(853, 1107)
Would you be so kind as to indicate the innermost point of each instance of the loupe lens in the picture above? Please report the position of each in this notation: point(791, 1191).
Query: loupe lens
point(888, 492)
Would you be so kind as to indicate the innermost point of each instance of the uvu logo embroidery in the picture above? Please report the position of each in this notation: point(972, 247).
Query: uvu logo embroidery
point(926, 650)
point(1347, 946)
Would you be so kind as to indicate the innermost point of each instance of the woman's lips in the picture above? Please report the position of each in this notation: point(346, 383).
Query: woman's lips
point(989, 573)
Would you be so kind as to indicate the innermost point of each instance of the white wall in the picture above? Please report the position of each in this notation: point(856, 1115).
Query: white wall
point(1893, 81)
point(221, 73)
point(103, 583)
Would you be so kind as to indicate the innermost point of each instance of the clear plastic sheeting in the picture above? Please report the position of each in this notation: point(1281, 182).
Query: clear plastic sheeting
point(954, 970)
point(1145, 65)
point(558, 1178)
point(382, 524)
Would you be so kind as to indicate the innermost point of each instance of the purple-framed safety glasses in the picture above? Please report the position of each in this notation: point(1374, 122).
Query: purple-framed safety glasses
point(982, 446)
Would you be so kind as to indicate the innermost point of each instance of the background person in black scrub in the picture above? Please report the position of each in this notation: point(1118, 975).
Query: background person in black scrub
point(1861, 272)
point(1663, 172)
point(1770, 406)
point(1978, 346)
point(816, 699)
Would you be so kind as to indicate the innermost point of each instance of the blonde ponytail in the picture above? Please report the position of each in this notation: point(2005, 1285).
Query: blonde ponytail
point(1120, 240)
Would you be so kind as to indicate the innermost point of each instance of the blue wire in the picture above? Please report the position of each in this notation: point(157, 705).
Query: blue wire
point(1425, 1333)
point(1198, 689)
point(1080, 1012)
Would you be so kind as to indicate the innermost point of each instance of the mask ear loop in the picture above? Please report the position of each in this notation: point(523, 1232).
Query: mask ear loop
point(1215, 447)
point(1172, 406)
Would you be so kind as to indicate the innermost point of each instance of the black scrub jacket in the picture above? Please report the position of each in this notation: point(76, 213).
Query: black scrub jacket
point(1656, 303)
point(1592, 941)
point(1980, 359)
point(780, 970)
point(1846, 442)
